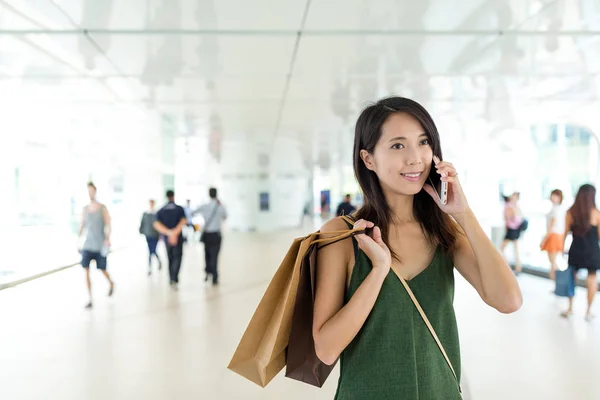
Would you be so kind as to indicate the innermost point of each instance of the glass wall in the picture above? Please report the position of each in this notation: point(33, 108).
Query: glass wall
point(558, 156)
point(50, 149)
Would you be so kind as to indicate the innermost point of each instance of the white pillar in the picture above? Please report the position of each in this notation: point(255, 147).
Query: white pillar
point(240, 184)
point(248, 171)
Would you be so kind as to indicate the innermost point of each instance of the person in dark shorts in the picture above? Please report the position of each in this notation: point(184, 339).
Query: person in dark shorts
point(170, 221)
point(96, 223)
point(583, 220)
point(513, 222)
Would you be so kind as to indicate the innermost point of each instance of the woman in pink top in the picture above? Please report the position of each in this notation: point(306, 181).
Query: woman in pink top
point(513, 221)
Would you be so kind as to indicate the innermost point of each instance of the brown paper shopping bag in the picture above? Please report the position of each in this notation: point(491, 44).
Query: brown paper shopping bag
point(302, 362)
point(261, 353)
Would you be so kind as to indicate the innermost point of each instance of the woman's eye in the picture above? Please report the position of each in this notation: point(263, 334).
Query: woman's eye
point(397, 146)
point(425, 142)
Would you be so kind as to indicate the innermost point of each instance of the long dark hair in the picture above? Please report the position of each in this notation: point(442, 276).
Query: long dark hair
point(437, 226)
point(581, 210)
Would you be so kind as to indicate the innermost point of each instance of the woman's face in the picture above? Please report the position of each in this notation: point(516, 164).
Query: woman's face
point(555, 199)
point(402, 157)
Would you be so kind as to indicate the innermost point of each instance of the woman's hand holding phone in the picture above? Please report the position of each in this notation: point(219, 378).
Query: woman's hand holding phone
point(456, 202)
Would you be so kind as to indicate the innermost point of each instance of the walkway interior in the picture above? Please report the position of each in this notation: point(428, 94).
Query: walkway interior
point(149, 342)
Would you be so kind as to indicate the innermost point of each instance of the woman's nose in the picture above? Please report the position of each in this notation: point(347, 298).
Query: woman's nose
point(414, 158)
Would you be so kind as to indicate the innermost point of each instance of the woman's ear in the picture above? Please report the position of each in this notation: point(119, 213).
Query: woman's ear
point(367, 159)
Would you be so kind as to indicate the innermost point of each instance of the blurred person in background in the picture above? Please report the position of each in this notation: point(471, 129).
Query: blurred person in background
point(96, 224)
point(147, 229)
point(524, 222)
point(214, 214)
point(555, 229)
point(324, 204)
point(170, 221)
point(345, 207)
point(513, 222)
point(583, 221)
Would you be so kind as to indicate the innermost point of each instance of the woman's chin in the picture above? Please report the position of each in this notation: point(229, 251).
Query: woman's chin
point(412, 190)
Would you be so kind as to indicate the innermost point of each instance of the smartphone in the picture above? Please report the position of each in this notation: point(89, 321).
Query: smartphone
point(442, 190)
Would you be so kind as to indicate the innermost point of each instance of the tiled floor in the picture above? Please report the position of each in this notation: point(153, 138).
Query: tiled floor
point(148, 342)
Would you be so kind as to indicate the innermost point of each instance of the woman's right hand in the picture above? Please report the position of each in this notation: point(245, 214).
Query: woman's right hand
point(374, 247)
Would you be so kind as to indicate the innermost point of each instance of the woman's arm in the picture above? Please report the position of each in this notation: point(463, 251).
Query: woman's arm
point(475, 256)
point(568, 223)
point(142, 223)
point(478, 260)
point(335, 325)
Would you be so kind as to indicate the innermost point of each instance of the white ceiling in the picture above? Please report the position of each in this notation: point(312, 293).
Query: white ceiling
point(305, 68)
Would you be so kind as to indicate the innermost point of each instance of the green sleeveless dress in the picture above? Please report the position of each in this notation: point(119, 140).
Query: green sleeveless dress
point(394, 356)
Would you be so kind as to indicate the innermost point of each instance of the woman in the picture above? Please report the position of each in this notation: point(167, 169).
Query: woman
point(555, 228)
point(583, 220)
point(513, 221)
point(362, 312)
point(147, 229)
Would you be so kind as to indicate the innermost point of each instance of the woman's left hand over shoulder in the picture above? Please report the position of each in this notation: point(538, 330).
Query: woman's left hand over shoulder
point(456, 203)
